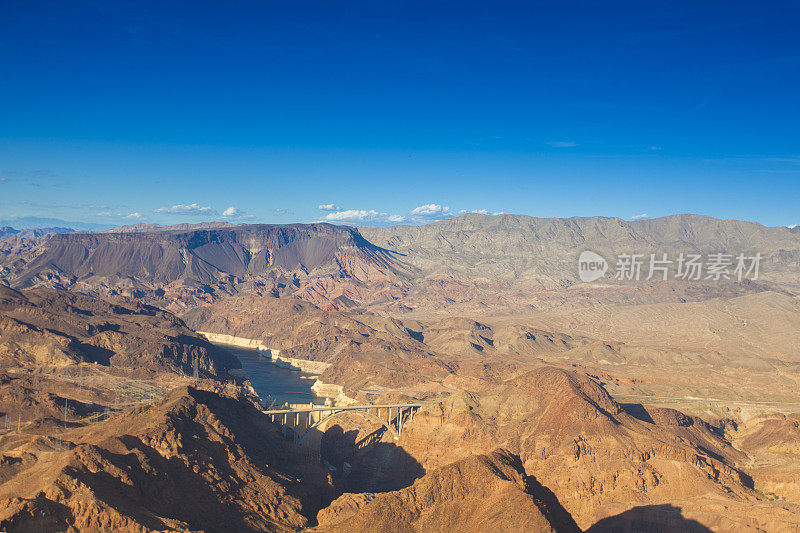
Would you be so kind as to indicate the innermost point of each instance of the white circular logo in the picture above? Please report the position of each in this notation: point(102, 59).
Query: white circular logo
point(591, 266)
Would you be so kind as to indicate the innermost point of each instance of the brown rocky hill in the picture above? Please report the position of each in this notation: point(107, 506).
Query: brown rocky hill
point(473, 263)
point(320, 261)
point(295, 327)
point(728, 349)
point(50, 328)
point(481, 263)
point(194, 461)
point(370, 350)
point(756, 325)
point(519, 246)
point(361, 356)
point(20, 246)
point(468, 337)
point(773, 441)
point(480, 493)
point(598, 458)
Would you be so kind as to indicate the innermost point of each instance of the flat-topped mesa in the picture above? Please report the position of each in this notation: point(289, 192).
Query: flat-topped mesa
point(171, 264)
point(468, 264)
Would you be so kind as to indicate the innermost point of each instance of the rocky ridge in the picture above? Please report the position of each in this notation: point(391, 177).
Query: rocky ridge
point(195, 460)
point(472, 263)
point(479, 493)
point(50, 328)
point(176, 268)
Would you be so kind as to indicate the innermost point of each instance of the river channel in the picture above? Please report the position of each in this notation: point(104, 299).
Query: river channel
point(273, 382)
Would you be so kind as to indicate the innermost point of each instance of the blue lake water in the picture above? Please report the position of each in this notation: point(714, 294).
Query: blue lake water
point(273, 382)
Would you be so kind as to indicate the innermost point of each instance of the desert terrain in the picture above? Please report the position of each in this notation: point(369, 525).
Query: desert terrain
point(551, 404)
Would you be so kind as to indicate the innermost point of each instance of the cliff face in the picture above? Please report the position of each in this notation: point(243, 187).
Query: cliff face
point(201, 264)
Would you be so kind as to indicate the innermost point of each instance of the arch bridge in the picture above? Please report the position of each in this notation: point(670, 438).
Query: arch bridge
point(302, 421)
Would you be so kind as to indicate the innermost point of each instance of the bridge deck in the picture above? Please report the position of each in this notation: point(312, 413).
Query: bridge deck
point(344, 408)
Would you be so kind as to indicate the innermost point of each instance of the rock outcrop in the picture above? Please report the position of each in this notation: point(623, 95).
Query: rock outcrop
point(574, 438)
point(47, 327)
point(480, 493)
point(355, 354)
point(194, 461)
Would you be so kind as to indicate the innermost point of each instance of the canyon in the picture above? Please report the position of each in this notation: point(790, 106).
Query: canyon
point(604, 406)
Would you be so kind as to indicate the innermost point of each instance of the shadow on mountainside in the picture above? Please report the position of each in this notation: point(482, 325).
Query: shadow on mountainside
point(194, 460)
point(548, 502)
point(374, 467)
point(637, 410)
point(664, 518)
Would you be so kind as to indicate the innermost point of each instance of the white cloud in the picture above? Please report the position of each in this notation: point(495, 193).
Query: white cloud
point(363, 216)
point(419, 215)
point(426, 213)
point(190, 209)
point(329, 207)
point(3, 180)
point(476, 211)
point(562, 144)
point(352, 215)
point(640, 216)
point(232, 213)
point(118, 214)
point(430, 210)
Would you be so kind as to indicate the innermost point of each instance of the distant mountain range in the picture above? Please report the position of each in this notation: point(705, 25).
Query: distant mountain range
point(7, 231)
point(485, 315)
point(31, 222)
point(18, 246)
point(470, 261)
point(544, 251)
point(143, 228)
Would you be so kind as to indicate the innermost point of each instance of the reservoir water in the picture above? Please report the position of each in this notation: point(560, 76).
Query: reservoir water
point(273, 382)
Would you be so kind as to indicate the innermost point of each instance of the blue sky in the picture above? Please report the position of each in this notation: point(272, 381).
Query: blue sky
point(398, 112)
